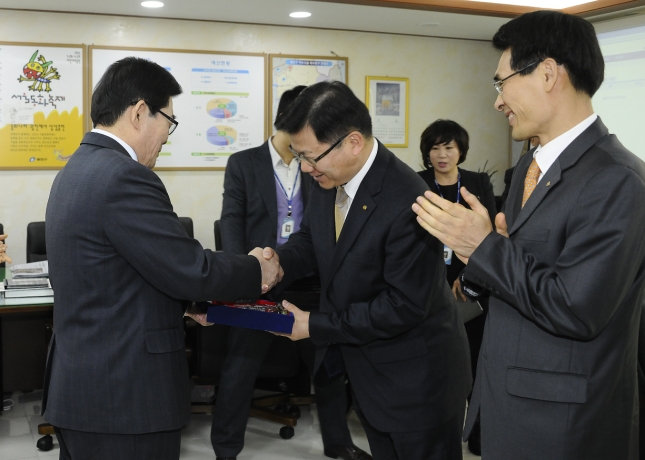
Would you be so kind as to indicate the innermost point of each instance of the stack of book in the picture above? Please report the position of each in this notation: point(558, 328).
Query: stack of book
point(27, 284)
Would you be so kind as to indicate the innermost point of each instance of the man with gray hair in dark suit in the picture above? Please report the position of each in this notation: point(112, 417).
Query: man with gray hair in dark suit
point(120, 262)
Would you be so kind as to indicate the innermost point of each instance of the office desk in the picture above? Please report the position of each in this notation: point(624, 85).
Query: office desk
point(24, 336)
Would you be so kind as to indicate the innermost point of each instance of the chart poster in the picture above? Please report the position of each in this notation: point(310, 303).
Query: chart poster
point(222, 108)
point(290, 71)
point(41, 104)
point(387, 99)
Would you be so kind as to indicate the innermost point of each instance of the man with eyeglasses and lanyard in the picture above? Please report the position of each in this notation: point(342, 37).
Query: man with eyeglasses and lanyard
point(265, 195)
point(557, 375)
point(386, 315)
point(116, 384)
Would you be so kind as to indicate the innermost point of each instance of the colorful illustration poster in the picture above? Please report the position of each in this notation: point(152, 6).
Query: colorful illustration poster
point(221, 110)
point(290, 71)
point(41, 104)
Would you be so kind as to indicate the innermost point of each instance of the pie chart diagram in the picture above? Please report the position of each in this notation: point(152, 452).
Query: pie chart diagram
point(221, 135)
point(221, 108)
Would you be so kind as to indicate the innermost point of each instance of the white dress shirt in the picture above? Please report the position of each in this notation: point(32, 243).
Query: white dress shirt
point(351, 187)
point(546, 155)
point(287, 173)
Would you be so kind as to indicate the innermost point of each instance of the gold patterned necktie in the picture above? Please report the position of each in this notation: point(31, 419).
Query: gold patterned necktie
point(531, 180)
point(340, 209)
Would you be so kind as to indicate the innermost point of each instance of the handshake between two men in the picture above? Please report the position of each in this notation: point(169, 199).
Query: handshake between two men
point(272, 274)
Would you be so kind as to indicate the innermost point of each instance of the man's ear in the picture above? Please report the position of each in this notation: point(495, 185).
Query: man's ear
point(551, 73)
point(136, 113)
point(357, 142)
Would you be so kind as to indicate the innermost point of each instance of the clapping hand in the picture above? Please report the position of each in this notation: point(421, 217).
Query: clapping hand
point(457, 227)
point(3, 251)
point(272, 272)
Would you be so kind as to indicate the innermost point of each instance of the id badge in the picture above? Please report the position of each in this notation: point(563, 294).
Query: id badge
point(447, 254)
point(287, 227)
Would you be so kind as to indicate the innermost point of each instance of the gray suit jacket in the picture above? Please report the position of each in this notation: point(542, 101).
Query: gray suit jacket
point(556, 376)
point(120, 263)
point(385, 300)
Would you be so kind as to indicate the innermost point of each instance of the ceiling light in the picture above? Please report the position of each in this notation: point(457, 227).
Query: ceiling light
point(550, 4)
point(152, 4)
point(300, 14)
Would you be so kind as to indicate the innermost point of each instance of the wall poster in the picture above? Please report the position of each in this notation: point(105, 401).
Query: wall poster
point(42, 89)
point(387, 99)
point(221, 110)
point(288, 71)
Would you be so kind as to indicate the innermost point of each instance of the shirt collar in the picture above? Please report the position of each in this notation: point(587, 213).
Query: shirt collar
point(127, 148)
point(351, 187)
point(276, 159)
point(545, 155)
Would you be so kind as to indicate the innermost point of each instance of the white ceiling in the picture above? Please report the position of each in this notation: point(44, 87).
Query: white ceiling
point(276, 12)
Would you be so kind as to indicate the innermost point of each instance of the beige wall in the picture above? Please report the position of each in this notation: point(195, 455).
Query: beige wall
point(448, 79)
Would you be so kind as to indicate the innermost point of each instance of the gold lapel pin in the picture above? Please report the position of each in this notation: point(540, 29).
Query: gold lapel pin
point(364, 208)
point(548, 183)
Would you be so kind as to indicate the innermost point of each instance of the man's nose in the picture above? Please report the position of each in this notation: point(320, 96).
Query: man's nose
point(306, 167)
point(499, 103)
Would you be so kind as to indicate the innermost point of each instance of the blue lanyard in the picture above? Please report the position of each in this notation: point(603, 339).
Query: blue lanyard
point(458, 186)
point(289, 200)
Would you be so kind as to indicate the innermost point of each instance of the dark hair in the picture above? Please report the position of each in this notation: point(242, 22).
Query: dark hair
point(128, 81)
point(331, 109)
point(569, 40)
point(286, 99)
point(443, 132)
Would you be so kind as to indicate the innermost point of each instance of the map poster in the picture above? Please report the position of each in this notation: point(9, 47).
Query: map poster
point(387, 99)
point(41, 104)
point(222, 108)
point(290, 71)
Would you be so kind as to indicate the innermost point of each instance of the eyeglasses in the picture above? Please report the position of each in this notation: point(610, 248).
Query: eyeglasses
point(499, 83)
point(312, 162)
point(173, 123)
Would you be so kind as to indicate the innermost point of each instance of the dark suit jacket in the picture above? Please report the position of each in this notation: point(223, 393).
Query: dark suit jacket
point(119, 263)
point(385, 300)
point(249, 209)
point(557, 370)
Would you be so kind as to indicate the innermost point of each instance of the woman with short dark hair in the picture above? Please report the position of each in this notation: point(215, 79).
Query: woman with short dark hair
point(444, 145)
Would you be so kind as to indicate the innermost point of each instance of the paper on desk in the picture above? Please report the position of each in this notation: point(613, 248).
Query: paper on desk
point(30, 270)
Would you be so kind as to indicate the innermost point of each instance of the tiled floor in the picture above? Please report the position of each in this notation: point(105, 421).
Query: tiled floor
point(19, 433)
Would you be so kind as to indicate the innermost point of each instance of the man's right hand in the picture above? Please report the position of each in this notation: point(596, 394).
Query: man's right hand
point(272, 272)
point(3, 251)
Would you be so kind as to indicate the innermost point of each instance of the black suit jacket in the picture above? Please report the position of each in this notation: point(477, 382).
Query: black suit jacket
point(385, 300)
point(119, 263)
point(557, 370)
point(249, 209)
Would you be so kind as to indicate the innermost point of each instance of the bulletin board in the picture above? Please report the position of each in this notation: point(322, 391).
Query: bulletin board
point(289, 71)
point(42, 90)
point(222, 109)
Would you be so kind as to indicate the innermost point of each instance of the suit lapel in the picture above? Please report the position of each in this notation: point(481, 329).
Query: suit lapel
point(327, 240)
point(305, 186)
point(567, 159)
point(361, 209)
point(265, 181)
